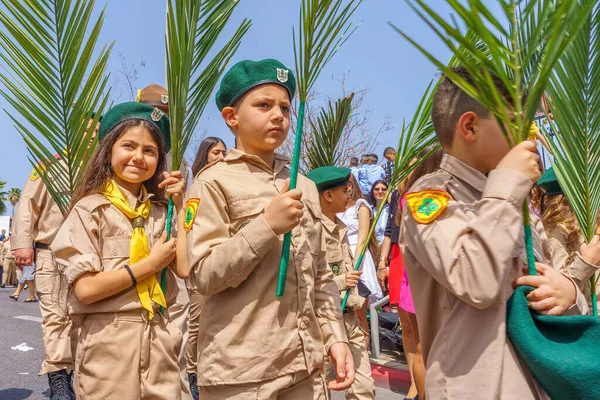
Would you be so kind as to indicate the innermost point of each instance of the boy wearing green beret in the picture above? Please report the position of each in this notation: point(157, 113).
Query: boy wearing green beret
point(252, 344)
point(332, 184)
point(464, 253)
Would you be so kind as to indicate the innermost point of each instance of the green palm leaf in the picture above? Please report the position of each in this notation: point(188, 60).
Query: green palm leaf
point(575, 106)
point(193, 26)
point(54, 84)
point(325, 25)
point(415, 136)
point(192, 29)
point(3, 197)
point(324, 149)
point(521, 55)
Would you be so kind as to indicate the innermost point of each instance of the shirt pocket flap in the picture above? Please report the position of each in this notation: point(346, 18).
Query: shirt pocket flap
point(116, 247)
point(242, 207)
point(315, 209)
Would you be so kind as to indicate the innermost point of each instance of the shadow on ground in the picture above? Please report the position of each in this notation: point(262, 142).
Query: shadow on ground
point(15, 394)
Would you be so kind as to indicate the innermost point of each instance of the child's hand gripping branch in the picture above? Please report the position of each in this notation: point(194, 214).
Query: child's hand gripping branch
point(285, 211)
point(174, 185)
point(352, 278)
point(523, 158)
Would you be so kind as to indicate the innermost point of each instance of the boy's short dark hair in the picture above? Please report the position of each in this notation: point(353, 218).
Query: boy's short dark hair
point(450, 102)
point(354, 161)
point(388, 150)
point(373, 157)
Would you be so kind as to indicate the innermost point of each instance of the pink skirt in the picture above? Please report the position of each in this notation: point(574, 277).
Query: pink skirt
point(406, 300)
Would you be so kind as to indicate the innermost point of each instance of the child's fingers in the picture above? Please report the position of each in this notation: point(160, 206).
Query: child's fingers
point(543, 305)
point(163, 238)
point(528, 280)
point(539, 294)
point(286, 186)
point(595, 240)
point(555, 311)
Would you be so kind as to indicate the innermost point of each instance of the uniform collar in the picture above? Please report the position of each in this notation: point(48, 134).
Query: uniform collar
point(332, 226)
point(132, 199)
point(280, 160)
point(462, 171)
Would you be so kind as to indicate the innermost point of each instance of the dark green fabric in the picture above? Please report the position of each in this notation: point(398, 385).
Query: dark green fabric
point(248, 74)
point(329, 177)
point(549, 183)
point(135, 110)
point(561, 352)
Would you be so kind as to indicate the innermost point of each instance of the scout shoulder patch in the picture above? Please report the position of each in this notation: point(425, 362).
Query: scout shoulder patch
point(426, 205)
point(34, 175)
point(191, 208)
point(335, 268)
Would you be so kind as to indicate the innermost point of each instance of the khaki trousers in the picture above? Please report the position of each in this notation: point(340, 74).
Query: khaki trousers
point(191, 351)
point(298, 386)
point(124, 356)
point(57, 330)
point(363, 387)
point(178, 314)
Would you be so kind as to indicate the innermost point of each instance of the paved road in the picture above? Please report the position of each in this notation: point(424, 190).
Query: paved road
point(21, 323)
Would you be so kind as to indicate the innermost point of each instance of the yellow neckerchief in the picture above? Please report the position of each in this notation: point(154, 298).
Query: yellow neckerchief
point(148, 289)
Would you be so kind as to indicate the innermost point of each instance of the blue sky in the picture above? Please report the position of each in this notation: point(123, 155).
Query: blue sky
point(376, 57)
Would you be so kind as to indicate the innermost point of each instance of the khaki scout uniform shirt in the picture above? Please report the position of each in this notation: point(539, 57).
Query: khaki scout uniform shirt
point(96, 237)
point(460, 269)
point(27, 226)
point(569, 261)
point(339, 258)
point(246, 334)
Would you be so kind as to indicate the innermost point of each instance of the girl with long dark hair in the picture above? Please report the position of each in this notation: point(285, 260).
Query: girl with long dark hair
point(113, 246)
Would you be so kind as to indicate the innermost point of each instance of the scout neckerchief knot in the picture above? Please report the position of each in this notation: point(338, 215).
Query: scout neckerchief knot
point(148, 289)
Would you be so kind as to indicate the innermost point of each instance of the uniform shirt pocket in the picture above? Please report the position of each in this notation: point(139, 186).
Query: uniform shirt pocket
point(242, 210)
point(311, 224)
point(115, 252)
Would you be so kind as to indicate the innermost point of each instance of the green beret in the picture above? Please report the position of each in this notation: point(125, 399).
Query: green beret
point(94, 116)
point(549, 183)
point(135, 110)
point(329, 177)
point(248, 74)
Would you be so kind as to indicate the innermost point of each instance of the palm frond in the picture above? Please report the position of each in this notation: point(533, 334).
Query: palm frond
point(325, 26)
point(192, 30)
point(575, 106)
point(327, 131)
point(54, 84)
point(415, 137)
point(522, 55)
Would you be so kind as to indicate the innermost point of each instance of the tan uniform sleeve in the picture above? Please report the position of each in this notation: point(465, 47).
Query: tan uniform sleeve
point(340, 281)
point(27, 214)
point(77, 245)
point(470, 250)
point(217, 260)
point(328, 307)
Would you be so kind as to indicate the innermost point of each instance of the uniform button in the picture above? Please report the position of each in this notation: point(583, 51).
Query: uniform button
point(302, 283)
point(115, 252)
point(302, 325)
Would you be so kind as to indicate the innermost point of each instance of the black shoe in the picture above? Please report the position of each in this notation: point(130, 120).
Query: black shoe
point(60, 389)
point(2, 286)
point(193, 379)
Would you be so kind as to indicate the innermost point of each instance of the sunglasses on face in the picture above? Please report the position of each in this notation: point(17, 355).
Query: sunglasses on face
point(379, 189)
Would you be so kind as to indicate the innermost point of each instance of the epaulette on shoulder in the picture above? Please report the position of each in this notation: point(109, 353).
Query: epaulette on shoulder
point(91, 202)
